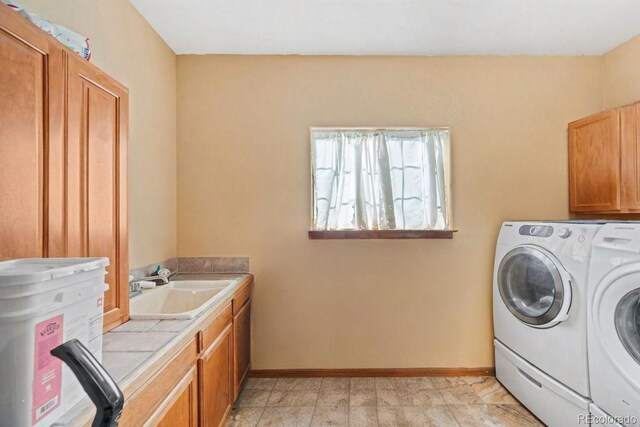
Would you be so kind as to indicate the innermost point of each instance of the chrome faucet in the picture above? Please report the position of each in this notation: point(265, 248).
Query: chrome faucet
point(160, 277)
point(134, 289)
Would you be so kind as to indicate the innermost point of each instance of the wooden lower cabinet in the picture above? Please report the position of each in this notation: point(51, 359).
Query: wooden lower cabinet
point(216, 381)
point(199, 384)
point(181, 407)
point(242, 346)
point(150, 401)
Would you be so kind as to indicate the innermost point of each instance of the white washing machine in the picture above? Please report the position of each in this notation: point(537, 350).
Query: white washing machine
point(540, 316)
point(614, 321)
point(601, 418)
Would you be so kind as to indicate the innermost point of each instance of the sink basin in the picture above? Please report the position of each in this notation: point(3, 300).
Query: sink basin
point(179, 299)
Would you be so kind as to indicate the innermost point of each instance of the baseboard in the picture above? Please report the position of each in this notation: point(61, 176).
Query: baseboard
point(372, 372)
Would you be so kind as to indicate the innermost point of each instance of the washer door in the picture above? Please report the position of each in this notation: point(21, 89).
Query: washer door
point(616, 319)
point(534, 286)
point(627, 318)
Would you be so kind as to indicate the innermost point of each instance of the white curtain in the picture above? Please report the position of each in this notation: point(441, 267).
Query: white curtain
point(380, 179)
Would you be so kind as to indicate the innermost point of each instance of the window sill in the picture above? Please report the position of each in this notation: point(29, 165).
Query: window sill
point(380, 234)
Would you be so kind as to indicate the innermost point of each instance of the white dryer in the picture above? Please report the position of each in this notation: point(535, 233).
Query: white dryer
point(540, 316)
point(614, 321)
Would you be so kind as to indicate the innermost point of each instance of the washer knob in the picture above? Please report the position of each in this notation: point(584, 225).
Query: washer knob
point(564, 232)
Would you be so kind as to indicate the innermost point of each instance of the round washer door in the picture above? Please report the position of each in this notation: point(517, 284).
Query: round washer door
point(534, 286)
point(627, 318)
point(616, 317)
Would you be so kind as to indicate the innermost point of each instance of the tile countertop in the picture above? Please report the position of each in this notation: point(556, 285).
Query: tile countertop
point(131, 349)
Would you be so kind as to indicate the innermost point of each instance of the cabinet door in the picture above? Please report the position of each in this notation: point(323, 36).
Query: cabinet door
point(96, 178)
point(150, 402)
point(180, 409)
point(242, 346)
point(594, 163)
point(216, 381)
point(31, 134)
point(630, 129)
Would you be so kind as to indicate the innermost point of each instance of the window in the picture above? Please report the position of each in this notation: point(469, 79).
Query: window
point(380, 179)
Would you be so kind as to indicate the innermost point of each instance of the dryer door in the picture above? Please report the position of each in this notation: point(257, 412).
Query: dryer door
point(534, 286)
point(616, 320)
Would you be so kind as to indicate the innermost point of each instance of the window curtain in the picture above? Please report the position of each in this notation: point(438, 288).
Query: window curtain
point(380, 179)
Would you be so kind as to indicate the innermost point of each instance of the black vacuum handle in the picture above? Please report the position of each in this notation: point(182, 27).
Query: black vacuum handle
point(95, 380)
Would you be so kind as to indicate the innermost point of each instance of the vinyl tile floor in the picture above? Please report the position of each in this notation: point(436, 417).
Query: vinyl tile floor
point(371, 402)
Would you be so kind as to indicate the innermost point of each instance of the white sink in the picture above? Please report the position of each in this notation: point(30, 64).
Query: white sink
point(179, 299)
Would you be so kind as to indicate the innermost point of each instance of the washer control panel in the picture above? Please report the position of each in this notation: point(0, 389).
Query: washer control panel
point(536, 230)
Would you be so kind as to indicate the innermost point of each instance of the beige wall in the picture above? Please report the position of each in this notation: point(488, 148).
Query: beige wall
point(243, 180)
point(243, 170)
point(622, 74)
point(125, 46)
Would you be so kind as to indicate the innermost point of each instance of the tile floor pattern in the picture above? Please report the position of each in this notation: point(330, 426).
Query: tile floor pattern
point(365, 402)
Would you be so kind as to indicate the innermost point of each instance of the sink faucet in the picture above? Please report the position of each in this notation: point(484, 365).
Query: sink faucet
point(160, 277)
point(134, 289)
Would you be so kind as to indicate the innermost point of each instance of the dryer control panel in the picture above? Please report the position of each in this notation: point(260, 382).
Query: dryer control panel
point(567, 238)
point(536, 230)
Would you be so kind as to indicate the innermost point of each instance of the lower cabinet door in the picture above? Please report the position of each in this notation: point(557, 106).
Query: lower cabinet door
point(181, 407)
point(242, 346)
point(216, 380)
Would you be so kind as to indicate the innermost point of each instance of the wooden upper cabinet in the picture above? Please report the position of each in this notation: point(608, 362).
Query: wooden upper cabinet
point(63, 157)
point(31, 134)
point(594, 163)
point(630, 159)
point(604, 162)
point(97, 178)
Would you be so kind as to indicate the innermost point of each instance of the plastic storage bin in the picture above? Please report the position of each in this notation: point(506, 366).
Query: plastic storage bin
point(43, 303)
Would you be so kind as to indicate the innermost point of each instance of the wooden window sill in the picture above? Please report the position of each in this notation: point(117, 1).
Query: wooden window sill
point(380, 234)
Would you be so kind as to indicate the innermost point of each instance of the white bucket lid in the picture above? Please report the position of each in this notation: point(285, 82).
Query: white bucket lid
point(33, 270)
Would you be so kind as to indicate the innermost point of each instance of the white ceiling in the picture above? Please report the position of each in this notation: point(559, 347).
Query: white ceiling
point(393, 27)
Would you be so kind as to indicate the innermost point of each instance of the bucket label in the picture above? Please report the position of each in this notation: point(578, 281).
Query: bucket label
point(47, 372)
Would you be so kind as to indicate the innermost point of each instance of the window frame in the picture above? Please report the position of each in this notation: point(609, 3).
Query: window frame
point(379, 234)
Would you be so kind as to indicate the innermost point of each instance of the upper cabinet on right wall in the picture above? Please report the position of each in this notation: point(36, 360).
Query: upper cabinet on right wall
point(604, 162)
